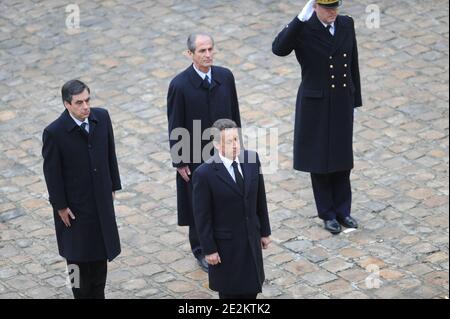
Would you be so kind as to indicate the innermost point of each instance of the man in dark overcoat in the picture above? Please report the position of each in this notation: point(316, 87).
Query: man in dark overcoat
point(230, 212)
point(325, 46)
point(196, 98)
point(81, 173)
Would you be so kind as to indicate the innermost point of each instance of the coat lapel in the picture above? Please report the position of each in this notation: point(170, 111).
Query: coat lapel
point(70, 124)
point(320, 31)
point(223, 174)
point(216, 78)
point(93, 121)
point(340, 35)
point(197, 81)
point(246, 170)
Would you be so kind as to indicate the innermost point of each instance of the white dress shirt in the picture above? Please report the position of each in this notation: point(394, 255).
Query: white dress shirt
point(202, 74)
point(79, 122)
point(229, 166)
point(332, 29)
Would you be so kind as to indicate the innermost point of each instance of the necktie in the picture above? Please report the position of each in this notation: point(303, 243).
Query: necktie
point(206, 83)
point(329, 29)
point(238, 176)
point(84, 127)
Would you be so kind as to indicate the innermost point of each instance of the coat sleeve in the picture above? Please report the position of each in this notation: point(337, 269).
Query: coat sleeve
point(236, 116)
point(261, 210)
point(175, 117)
point(285, 41)
point(355, 72)
point(53, 172)
point(202, 208)
point(113, 165)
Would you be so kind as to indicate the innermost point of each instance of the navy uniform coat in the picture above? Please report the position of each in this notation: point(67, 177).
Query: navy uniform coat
point(81, 173)
point(188, 100)
point(329, 91)
point(232, 223)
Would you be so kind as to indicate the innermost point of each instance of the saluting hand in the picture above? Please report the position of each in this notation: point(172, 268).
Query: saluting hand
point(213, 259)
point(66, 214)
point(185, 172)
point(307, 11)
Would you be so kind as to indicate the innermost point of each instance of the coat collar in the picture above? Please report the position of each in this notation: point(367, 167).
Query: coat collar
point(340, 33)
point(197, 81)
point(223, 174)
point(70, 124)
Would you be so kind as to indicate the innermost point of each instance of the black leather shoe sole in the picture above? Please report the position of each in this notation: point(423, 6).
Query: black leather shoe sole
point(334, 231)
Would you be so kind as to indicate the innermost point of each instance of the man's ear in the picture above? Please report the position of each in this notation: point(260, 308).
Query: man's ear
point(187, 54)
point(65, 104)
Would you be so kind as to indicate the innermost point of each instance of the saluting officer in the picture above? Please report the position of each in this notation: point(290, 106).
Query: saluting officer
point(325, 46)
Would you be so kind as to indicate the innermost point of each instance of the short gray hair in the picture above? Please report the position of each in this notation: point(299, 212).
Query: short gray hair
point(193, 37)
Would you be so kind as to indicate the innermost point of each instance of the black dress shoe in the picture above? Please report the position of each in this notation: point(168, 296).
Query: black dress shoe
point(333, 226)
point(348, 222)
point(201, 261)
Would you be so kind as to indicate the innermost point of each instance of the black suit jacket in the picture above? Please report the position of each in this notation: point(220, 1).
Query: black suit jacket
point(81, 172)
point(329, 92)
point(232, 223)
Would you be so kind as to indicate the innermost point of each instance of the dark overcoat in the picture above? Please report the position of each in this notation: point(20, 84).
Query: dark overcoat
point(189, 101)
point(329, 92)
point(81, 173)
point(232, 223)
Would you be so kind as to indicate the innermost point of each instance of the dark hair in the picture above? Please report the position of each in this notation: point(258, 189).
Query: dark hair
point(71, 88)
point(221, 125)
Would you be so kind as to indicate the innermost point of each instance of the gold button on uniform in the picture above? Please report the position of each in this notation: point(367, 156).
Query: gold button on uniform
point(331, 66)
point(345, 85)
point(332, 76)
point(345, 75)
point(345, 65)
point(333, 86)
point(345, 55)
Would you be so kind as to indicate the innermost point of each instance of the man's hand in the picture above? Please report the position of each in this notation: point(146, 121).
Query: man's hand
point(66, 214)
point(185, 172)
point(213, 259)
point(265, 241)
point(307, 11)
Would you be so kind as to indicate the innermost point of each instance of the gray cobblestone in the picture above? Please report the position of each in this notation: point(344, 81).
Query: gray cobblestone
point(400, 180)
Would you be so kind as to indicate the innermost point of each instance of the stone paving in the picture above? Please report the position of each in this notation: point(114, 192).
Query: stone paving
point(127, 51)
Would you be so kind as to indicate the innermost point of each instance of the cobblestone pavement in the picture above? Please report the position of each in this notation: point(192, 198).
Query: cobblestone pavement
point(127, 51)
